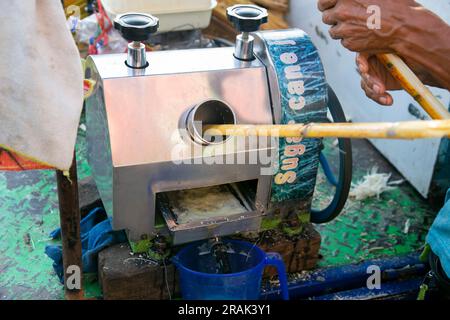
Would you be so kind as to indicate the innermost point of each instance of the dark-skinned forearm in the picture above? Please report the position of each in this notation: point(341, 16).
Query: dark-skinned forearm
point(426, 41)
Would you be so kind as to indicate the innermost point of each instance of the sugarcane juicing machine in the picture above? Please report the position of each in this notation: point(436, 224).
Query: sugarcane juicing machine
point(158, 174)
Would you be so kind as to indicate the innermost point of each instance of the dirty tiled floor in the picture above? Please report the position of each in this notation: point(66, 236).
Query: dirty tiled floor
point(367, 229)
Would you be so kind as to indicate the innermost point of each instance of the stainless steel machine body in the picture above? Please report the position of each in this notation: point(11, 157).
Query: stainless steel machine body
point(134, 134)
point(141, 145)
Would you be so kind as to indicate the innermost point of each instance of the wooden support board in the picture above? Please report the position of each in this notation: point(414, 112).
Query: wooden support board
point(69, 213)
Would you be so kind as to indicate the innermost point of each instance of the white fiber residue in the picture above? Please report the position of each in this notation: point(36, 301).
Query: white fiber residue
point(373, 184)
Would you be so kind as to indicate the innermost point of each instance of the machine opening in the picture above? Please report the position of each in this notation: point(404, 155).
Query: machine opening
point(206, 113)
point(209, 204)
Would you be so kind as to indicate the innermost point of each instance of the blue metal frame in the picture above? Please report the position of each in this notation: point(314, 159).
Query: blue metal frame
point(350, 280)
point(327, 169)
point(405, 289)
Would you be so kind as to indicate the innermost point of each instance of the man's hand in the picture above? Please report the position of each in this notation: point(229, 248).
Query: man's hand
point(376, 79)
point(349, 21)
point(416, 34)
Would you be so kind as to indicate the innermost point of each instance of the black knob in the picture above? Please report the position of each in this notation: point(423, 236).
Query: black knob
point(247, 17)
point(136, 26)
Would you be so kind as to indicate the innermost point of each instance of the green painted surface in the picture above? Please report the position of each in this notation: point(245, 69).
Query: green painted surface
point(29, 211)
point(373, 228)
point(395, 224)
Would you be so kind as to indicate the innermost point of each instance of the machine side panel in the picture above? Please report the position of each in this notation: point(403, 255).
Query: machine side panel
point(99, 147)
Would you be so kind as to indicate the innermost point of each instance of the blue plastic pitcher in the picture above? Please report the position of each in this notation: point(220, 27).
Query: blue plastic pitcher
point(199, 279)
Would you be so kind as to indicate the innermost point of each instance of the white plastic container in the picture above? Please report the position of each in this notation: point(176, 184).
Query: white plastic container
point(174, 15)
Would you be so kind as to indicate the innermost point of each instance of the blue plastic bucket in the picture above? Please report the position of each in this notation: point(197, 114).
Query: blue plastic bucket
point(199, 279)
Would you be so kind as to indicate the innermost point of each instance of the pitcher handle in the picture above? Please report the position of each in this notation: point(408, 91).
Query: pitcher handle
point(274, 259)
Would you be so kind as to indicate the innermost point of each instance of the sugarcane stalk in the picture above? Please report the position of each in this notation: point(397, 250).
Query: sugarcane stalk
point(412, 84)
point(368, 130)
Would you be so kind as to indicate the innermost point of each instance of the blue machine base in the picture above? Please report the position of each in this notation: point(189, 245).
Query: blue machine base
point(399, 276)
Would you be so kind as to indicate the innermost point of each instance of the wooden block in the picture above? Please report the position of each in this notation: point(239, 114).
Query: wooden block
point(306, 252)
point(220, 29)
point(299, 253)
point(277, 5)
point(123, 276)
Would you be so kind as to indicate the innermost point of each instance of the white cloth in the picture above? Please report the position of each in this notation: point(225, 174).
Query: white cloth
point(41, 82)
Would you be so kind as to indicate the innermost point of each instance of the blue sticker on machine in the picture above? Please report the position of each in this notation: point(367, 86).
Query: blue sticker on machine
point(303, 94)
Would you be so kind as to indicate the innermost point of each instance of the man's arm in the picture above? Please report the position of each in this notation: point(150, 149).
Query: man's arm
point(426, 42)
point(419, 36)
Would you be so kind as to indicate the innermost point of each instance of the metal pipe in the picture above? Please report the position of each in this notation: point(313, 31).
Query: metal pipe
point(353, 276)
point(136, 55)
point(407, 289)
point(244, 47)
